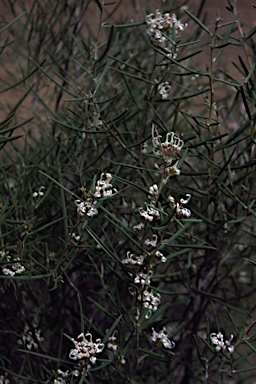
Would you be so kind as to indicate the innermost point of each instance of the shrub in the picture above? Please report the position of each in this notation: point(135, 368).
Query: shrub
point(128, 209)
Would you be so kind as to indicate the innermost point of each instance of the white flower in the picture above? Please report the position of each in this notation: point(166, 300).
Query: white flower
point(144, 148)
point(133, 260)
point(171, 171)
point(185, 201)
point(75, 237)
point(103, 187)
point(39, 193)
point(164, 90)
point(138, 227)
point(13, 267)
point(86, 207)
point(171, 145)
point(168, 148)
point(217, 339)
point(150, 214)
point(61, 379)
point(160, 256)
point(166, 151)
point(112, 342)
point(164, 23)
point(180, 211)
point(162, 26)
point(86, 349)
point(150, 301)
point(143, 278)
point(4, 380)
point(183, 212)
point(153, 196)
point(162, 338)
point(152, 242)
point(30, 338)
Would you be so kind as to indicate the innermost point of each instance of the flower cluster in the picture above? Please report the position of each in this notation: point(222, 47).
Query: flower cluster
point(86, 349)
point(103, 188)
point(153, 194)
point(172, 144)
point(161, 339)
point(143, 278)
point(217, 339)
point(4, 380)
point(164, 90)
point(150, 245)
point(136, 261)
point(113, 348)
point(150, 213)
point(178, 208)
point(85, 352)
point(143, 264)
point(86, 208)
point(30, 338)
point(150, 301)
point(61, 378)
point(143, 274)
point(13, 267)
point(133, 260)
point(167, 151)
point(161, 29)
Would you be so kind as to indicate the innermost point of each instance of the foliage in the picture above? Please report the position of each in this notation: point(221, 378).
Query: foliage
point(127, 211)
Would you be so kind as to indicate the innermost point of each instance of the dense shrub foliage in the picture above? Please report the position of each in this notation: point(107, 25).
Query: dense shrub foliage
point(127, 194)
